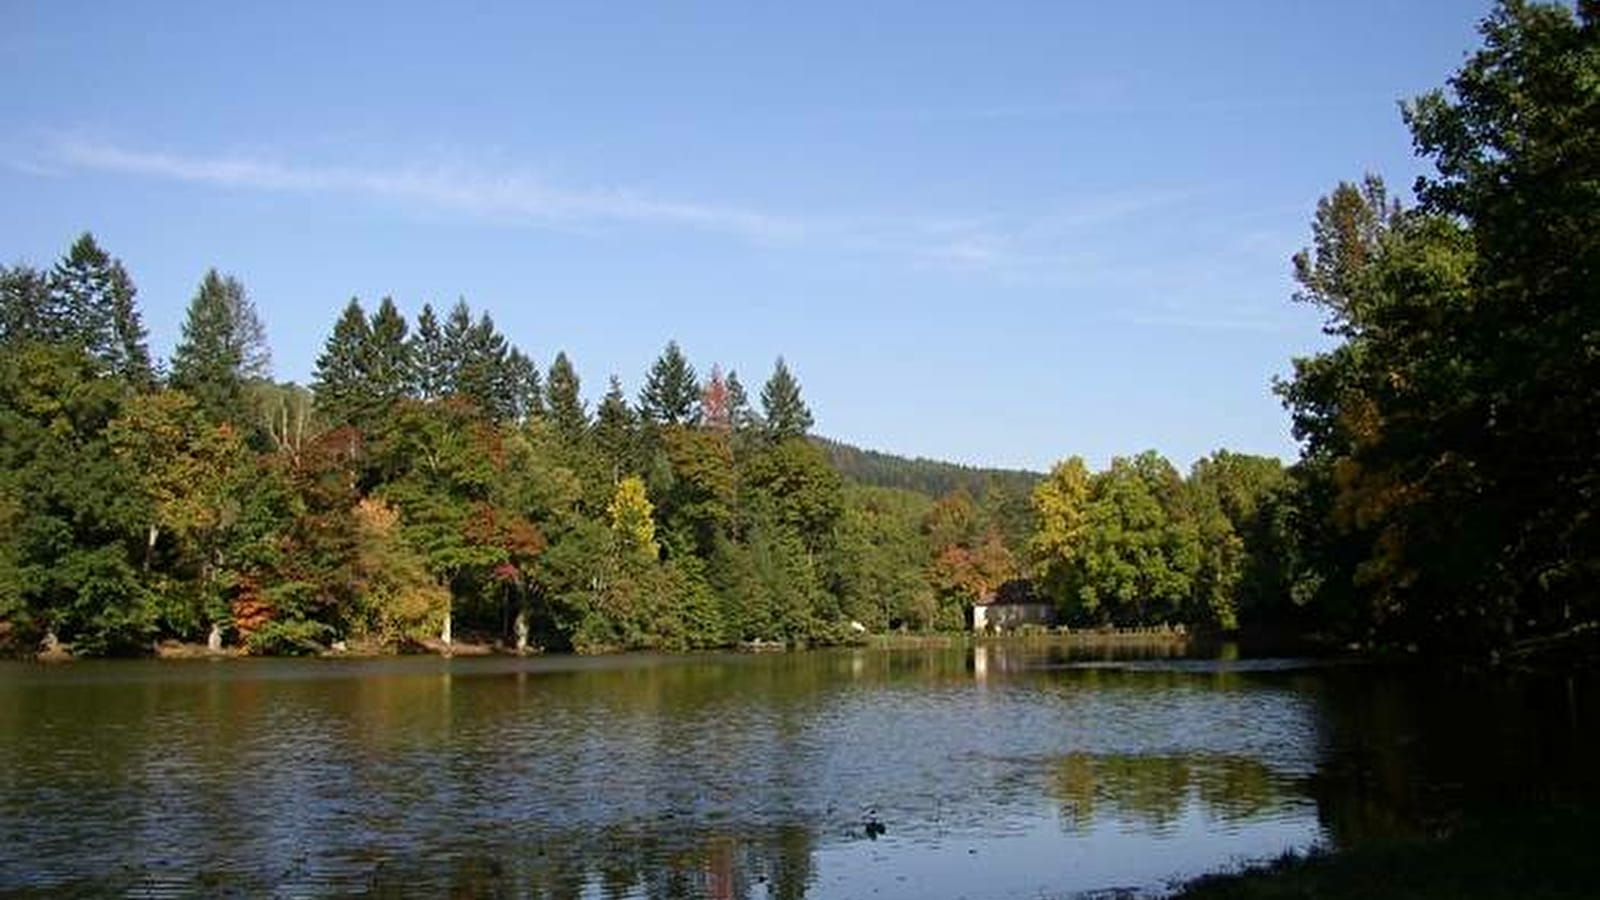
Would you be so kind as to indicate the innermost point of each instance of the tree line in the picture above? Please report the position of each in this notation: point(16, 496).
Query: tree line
point(433, 479)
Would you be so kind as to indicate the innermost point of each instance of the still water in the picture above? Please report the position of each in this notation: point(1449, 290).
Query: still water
point(1006, 770)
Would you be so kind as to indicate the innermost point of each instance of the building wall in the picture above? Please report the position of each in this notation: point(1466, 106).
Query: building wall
point(1006, 616)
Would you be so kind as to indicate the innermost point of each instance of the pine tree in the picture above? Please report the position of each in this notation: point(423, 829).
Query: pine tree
point(91, 303)
point(740, 413)
point(430, 370)
point(129, 352)
point(526, 391)
point(455, 343)
point(564, 401)
point(786, 414)
point(615, 431)
point(78, 310)
point(222, 349)
point(386, 359)
point(670, 392)
point(339, 381)
point(476, 357)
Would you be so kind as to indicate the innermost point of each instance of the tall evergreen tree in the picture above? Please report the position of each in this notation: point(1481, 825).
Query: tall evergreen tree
point(339, 380)
point(78, 310)
point(563, 399)
point(616, 431)
point(91, 302)
point(476, 356)
point(430, 370)
point(222, 349)
point(670, 391)
point(386, 359)
point(740, 412)
point(129, 352)
point(786, 414)
point(527, 392)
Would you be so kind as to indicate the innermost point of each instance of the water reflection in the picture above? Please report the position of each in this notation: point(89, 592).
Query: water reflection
point(735, 776)
point(1152, 793)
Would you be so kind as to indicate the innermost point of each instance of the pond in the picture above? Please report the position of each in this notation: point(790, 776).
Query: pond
point(1006, 769)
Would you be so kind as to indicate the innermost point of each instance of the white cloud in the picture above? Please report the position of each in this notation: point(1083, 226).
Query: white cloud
point(1020, 248)
point(510, 195)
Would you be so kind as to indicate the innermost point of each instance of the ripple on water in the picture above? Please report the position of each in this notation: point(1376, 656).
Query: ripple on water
point(648, 776)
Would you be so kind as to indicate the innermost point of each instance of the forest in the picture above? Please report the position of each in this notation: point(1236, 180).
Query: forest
point(434, 482)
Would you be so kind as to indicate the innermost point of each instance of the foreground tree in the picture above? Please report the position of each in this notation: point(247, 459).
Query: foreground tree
point(1451, 439)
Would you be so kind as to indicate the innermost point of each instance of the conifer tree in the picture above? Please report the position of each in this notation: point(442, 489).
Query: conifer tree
point(339, 380)
point(786, 414)
point(91, 303)
point(222, 349)
point(615, 431)
point(740, 413)
point(564, 401)
point(670, 392)
point(77, 310)
point(386, 358)
point(476, 357)
point(431, 377)
point(527, 393)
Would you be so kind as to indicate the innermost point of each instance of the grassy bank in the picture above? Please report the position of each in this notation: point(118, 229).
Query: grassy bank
point(1543, 854)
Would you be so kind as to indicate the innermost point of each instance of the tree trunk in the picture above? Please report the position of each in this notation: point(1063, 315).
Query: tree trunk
point(444, 633)
point(520, 628)
point(150, 545)
point(214, 639)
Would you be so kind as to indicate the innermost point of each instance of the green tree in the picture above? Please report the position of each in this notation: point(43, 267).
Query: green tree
point(476, 355)
point(387, 364)
point(526, 389)
point(1235, 501)
point(740, 411)
point(193, 476)
point(670, 390)
point(91, 301)
point(786, 414)
point(223, 349)
point(24, 305)
point(564, 400)
point(339, 381)
point(1061, 509)
point(1117, 546)
point(879, 558)
point(431, 364)
point(616, 435)
point(76, 512)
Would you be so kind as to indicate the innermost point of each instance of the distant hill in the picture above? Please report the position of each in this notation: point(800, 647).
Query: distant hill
point(925, 476)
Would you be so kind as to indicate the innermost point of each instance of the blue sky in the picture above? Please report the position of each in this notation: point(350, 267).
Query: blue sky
point(994, 233)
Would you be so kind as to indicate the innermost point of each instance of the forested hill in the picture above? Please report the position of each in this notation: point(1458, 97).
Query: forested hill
point(926, 476)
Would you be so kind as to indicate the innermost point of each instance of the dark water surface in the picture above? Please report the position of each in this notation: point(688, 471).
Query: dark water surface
point(1009, 770)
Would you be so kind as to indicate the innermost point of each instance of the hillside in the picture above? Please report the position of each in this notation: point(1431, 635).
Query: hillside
point(926, 476)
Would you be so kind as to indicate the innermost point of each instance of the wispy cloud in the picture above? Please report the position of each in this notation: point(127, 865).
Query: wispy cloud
point(1017, 247)
point(503, 195)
